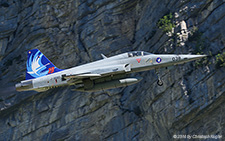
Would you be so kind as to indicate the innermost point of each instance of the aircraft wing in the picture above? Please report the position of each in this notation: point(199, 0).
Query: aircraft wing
point(97, 73)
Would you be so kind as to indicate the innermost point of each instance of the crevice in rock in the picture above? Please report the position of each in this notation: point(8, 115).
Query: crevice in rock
point(124, 6)
point(134, 32)
point(8, 124)
point(85, 48)
point(137, 111)
point(4, 4)
point(110, 135)
point(211, 14)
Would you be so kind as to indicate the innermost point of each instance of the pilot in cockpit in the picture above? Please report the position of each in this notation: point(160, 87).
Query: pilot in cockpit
point(130, 55)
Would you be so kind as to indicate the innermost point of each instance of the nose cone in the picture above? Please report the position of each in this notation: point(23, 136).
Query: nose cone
point(192, 57)
point(197, 56)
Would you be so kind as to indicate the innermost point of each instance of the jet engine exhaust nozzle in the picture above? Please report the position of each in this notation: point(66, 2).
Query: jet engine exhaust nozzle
point(24, 85)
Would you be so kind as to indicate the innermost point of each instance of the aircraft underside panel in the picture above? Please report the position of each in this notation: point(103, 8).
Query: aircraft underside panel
point(108, 83)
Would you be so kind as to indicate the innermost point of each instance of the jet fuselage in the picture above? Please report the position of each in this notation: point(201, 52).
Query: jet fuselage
point(103, 74)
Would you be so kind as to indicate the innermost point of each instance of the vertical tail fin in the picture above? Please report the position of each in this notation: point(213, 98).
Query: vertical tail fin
point(38, 65)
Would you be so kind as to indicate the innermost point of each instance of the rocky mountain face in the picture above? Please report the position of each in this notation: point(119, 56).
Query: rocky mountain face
point(74, 32)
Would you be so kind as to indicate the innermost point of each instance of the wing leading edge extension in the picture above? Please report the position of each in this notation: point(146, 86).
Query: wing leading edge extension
point(99, 72)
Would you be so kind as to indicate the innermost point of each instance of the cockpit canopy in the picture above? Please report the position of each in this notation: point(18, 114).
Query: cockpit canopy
point(138, 53)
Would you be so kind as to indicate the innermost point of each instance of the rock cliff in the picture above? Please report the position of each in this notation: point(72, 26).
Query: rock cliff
point(74, 32)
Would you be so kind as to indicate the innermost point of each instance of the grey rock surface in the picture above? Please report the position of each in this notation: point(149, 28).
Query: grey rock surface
point(74, 32)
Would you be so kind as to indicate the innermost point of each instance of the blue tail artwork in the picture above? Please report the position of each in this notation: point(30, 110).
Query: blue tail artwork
point(38, 65)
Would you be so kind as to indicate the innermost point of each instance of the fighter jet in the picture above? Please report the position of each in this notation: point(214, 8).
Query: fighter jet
point(107, 73)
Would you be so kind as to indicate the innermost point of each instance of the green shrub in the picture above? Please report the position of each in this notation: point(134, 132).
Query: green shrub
point(220, 60)
point(166, 24)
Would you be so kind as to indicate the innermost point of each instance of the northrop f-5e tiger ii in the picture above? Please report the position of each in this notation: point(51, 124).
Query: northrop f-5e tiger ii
point(107, 73)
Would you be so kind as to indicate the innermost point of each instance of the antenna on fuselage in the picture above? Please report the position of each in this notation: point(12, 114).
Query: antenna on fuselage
point(103, 56)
